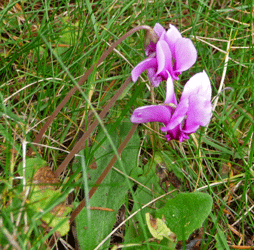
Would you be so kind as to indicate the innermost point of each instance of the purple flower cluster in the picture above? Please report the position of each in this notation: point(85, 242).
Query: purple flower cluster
point(172, 54)
point(169, 57)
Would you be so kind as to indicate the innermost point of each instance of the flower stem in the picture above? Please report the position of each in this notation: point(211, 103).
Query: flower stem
point(82, 80)
point(81, 143)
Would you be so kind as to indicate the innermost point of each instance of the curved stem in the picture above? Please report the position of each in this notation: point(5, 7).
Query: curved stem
point(84, 78)
point(81, 142)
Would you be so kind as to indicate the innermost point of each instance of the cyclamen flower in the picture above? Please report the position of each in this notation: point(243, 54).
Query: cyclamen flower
point(182, 119)
point(172, 54)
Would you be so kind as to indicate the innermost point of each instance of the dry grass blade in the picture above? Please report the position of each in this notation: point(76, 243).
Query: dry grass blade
point(222, 51)
point(223, 75)
point(10, 237)
point(242, 247)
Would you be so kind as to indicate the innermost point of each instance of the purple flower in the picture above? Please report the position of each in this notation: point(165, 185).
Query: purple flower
point(172, 53)
point(182, 119)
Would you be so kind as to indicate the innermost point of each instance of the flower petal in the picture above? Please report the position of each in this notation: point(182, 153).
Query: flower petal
point(198, 84)
point(155, 80)
point(178, 115)
point(198, 114)
point(171, 37)
point(164, 58)
point(152, 113)
point(170, 96)
point(158, 29)
point(142, 66)
point(185, 54)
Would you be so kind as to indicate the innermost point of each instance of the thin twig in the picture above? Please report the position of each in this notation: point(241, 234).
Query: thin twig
point(225, 52)
point(27, 86)
point(223, 75)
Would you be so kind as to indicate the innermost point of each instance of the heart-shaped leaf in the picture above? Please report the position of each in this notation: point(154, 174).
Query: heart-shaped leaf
point(186, 212)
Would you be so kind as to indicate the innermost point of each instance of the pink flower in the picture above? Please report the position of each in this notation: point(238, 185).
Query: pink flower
point(182, 119)
point(172, 54)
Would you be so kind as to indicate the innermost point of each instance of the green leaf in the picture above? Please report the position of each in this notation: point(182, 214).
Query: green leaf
point(221, 241)
point(94, 225)
point(186, 212)
point(41, 200)
point(149, 178)
point(61, 221)
point(32, 165)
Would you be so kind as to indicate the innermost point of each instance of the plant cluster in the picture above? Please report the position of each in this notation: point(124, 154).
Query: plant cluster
point(73, 161)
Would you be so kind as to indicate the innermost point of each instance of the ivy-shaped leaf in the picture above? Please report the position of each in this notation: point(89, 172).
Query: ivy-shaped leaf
point(186, 212)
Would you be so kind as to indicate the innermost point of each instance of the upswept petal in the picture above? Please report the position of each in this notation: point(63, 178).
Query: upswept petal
point(170, 93)
point(198, 114)
point(171, 37)
point(158, 29)
point(198, 84)
point(151, 113)
point(142, 66)
point(178, 115)
point(185, 54)
point(164, 58)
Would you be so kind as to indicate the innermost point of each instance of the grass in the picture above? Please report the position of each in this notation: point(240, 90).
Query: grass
point(45, 49)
